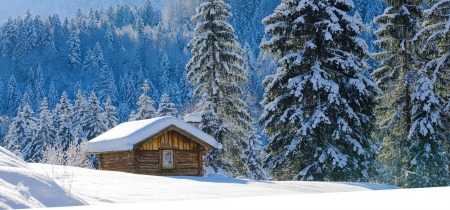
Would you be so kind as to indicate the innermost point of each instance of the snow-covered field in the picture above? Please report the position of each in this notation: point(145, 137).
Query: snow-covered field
point(25, 185)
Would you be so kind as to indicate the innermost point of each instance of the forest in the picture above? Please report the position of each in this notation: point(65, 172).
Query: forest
point(322, 90)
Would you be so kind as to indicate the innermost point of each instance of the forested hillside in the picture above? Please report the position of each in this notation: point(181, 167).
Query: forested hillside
point(305, 90)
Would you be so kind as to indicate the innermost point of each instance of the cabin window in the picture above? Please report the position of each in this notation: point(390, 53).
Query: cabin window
point(167, 159)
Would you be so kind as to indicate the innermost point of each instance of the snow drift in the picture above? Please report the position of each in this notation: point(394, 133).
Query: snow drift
point(23, 187)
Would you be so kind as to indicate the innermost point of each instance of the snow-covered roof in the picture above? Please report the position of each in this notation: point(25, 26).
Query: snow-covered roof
point(124, 136)
point(192, 118)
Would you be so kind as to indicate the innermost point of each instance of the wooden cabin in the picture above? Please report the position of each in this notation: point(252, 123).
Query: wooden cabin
point(160, 146)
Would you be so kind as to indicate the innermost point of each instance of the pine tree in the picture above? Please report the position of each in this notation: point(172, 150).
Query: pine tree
point(166, 108)
point(21, 132)
point(52, 96)
point(14, 96)
point(62, 119)
point(145, 103)
point(396, 77)
point(164, 79)
point(45, 131)
point(2, 100)
point(216, 73)
point(74, 50)
point(108, 86)
point(430, 114)
point(319, 105)
point(39, 88)
point(93, 123)
point(109, 115)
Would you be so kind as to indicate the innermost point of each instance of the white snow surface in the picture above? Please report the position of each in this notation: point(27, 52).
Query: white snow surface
point(193, 118)
point(23, 187)
point(125, 135)
point(29, 185)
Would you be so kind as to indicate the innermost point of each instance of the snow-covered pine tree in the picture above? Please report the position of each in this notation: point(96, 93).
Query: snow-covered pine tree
point(2, 100)
point(145, 104)
point(319, 105)
point(164, 79)
point(94, 121)
point(62, 120)
point(20, 133)
point(166, 107)
point(109, 116)
point(45, 132)
point(430, 115)
point(74, 50)
point(396, 77)
point(14, 97)
point(215, 71)
point(39, 88)
point(254, 155)
point(107, 86)
point(52, 96)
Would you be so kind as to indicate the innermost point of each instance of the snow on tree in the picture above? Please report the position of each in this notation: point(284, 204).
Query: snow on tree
point(145, 104)
point(109, 115)
point(107, 86)
point(109, 36)
point(19, 139)
point(396, 77)
point(2, 100)
point(164, 80)
point(14, 96)
point(430, 114)
point(62, 120)
point(215, 71)
point(39, 87)
point(166, 108)
point(93, 123)
point(74, 50)
point(319, 105)
point(45, 132)
point(52, 96)
point(254, 155)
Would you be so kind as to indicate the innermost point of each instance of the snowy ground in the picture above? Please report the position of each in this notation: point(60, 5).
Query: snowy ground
point(25, 185)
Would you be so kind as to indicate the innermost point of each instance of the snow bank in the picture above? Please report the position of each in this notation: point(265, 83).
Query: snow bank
point(193, 118)
point(125, 135)
point(23, 187)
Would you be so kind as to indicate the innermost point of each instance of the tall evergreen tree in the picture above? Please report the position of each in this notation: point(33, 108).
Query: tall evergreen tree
point(94, 121)
point(319, 105)
point(52, 96)
point(431, 115)
point(74, 50)
point(62, 120)
point(396, 77)
point(216, 73)
point(45, 132)
point(109, 116)
point(14, 96)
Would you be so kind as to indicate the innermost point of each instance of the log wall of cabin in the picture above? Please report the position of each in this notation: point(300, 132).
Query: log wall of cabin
point(187, 155)
point(117, 161)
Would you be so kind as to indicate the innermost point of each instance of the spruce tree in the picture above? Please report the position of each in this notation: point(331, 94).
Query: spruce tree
point(430, 115)
point(13, 98)
point(396, 77)
point(93, 123)
point(166, 108)
point(216, 72)
point(74, 50)
point(145, 103)
point(109, 116)
point(319, 105)
point(45, 131)
point(63, 122)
